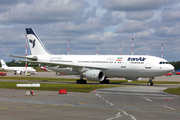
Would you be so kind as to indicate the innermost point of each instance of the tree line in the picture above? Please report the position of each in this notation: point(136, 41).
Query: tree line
point(176, 65)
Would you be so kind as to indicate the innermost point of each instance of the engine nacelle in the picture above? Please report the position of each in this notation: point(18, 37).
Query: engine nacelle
point(133, 78)
point(94, 75)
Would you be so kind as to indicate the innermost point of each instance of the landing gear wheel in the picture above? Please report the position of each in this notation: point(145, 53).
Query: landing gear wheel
point(104, 81)
point(84, 81)
point(150, 83)
point(81, 81)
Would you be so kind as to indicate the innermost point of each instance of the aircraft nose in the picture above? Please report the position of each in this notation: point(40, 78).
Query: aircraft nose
point(171, 67)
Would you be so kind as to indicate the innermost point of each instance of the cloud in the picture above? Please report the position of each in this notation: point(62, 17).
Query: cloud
point(140, 15)
point(92, 24)
point(170, 15)
point(143, 34)
point(6, 5)
point(168, 31)
point(109, 19)
point(12, 2)
point(131, 26)
point(86, 26)
point(109, 22)
point(135, 5)
point(44, 11)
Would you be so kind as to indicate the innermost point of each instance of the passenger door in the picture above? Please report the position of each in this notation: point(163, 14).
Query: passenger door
point(148, 63)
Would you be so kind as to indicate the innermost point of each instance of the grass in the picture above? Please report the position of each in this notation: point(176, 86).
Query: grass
point(175, 91)
point(56, 87)
point(43, 79)
point(75, 87)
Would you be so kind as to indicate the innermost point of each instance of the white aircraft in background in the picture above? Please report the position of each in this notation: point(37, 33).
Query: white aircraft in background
point(16, 70)
point(99, 67)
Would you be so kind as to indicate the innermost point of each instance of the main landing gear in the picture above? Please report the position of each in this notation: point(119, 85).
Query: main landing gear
point(105, 81)
point(150, 83)
point(81, 81)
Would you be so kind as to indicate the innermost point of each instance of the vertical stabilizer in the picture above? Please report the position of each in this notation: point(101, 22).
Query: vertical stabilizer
point(3, 64)
point(35, 44)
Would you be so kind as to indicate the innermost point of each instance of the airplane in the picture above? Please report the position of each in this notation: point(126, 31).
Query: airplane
point(44, 68)
point(16, 70)
point(99, 67)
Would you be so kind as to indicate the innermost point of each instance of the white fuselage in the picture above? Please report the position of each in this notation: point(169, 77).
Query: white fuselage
point(19, 69)
point(113, 65)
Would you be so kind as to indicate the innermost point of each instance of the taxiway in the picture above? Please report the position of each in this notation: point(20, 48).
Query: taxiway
point(132, 102)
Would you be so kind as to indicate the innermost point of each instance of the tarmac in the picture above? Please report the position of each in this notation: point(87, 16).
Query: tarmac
point(131, 102)
point(53, 75)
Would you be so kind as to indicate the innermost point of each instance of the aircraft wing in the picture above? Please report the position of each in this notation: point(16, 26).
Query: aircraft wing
point(68, 65)
point(25, 57)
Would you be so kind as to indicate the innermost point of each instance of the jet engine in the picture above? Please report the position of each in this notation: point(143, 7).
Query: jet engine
point(133, 78)
point(94, 75)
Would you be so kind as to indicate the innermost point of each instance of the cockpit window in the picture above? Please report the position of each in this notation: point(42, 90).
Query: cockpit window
point(163, 62)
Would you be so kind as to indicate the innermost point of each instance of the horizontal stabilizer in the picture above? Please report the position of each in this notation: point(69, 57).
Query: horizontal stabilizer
point(25, 57)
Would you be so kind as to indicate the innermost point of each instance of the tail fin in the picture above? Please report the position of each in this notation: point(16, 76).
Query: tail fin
point(3, 64)
point(36, 46)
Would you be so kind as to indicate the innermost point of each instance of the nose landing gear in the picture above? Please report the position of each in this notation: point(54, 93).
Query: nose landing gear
point(150, 83)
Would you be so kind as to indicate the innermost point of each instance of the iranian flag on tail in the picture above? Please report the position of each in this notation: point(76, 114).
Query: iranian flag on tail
point(119, 59)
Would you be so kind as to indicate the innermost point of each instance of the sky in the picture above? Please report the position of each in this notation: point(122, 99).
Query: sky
point(111, 23)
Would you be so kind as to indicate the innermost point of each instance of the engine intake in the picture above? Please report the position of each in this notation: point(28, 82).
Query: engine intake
point(94, 75)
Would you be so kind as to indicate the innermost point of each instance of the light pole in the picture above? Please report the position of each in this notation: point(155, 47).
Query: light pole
point(132, 45)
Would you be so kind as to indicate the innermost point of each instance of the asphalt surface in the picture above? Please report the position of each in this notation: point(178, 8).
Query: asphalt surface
point(132, 102)
point(53, 75)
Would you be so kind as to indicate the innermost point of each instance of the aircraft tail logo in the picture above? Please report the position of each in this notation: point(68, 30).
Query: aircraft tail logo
point(33, 42)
